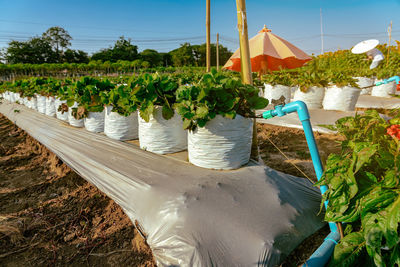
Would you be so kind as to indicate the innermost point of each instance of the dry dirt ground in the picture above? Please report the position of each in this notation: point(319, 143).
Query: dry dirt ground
point(49, 216)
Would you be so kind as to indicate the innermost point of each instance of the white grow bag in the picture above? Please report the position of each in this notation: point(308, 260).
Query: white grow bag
point(365, 82)
point(50, 106)
point(120, 127)
point(94, 122)
point(72, 121)
point(18, 98)
point(12, 97)
point(276, 91)
point(222, 143)
point(32, 103)
point(60, 115)
point(41, 104)
point(341, 98)
point(384, 90)
point(162, 136)
point(313, 97)
point(24, 101)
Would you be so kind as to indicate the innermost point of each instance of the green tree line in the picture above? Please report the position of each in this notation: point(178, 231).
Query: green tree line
point(52, 47)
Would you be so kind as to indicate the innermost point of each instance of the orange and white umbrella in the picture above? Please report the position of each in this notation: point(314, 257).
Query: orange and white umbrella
point(269, 52)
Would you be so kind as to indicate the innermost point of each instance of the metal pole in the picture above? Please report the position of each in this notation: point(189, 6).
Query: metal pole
point(208, 47)
point(217, 54)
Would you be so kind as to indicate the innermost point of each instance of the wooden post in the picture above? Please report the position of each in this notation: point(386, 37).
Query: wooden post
point(217, 52)
point(388, 48)
point(208, 48)
point(245, 63)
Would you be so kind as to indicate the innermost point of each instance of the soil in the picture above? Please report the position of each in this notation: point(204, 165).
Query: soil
point(292, 143)
point(51, 216)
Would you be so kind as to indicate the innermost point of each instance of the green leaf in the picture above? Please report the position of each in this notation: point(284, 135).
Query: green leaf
point(202, 112)
point(348, 250)
point(167, 112)
point(70, 102)
point(187, 124)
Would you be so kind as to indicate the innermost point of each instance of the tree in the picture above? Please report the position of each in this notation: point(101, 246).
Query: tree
point(58, 38)
point(183, 56)
point(201, 54)
point(75, 56)
point(151, 56)
point(34, 51)
point(123, 50)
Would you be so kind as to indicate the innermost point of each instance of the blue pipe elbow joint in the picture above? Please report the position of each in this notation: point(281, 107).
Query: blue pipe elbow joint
point(297, 106)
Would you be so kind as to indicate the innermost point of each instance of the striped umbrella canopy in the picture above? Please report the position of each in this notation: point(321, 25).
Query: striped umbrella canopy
point(269, 52)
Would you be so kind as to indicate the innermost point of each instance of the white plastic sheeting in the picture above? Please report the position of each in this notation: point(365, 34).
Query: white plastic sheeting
point(222, 144)
point(162, 136)
point(94, 122)
point(120, 127)
point(384, 90)
point(253, 216)
point(276, 91)
point(313, 97)
point(72, 121)
point(41, 103)
point(341, 98)
point(365, 82)
point(59, 114)
point(50, 106)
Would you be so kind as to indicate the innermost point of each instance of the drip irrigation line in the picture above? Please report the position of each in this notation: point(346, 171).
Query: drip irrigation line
point(305, 175)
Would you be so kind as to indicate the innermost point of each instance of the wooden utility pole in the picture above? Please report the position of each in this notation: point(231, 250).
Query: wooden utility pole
point(390, 37)
point(245, 63)
point(208, 47)
point(322, 32)
point(217, 53)
point(244, 42)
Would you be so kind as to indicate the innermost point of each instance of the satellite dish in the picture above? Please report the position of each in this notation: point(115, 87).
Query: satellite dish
point(364, 46)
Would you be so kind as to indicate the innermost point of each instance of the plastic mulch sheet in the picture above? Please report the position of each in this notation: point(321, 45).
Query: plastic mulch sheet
point(192, 216)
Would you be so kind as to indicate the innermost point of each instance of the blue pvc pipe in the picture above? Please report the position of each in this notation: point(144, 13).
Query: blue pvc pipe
point(321, 256)
point(391, 79)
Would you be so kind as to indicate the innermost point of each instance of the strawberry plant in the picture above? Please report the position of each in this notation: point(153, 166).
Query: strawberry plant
point(119, 99)
point(216, 93)
point(87, 93)
point(364, 190)
point(151, 90)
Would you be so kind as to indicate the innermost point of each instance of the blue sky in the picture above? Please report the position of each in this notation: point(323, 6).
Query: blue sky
point(164, 25)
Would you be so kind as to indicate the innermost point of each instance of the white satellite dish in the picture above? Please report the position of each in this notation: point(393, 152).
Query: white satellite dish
point(364, 46)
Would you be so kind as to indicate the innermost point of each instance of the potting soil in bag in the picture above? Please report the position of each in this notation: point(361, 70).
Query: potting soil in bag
point(162, 136)
point(365, 82)
point(275, 92)
point(341, 98)
point(71, 119)
point(120, 127)
point(384, 90)
point(94, 122)
point(59, 114)
point(222, 143)
point(313, 97)
point(41, 104)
